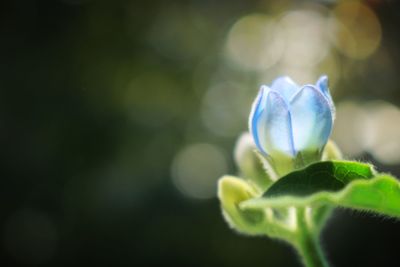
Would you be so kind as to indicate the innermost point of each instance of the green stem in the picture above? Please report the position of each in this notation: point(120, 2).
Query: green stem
point(307, 243)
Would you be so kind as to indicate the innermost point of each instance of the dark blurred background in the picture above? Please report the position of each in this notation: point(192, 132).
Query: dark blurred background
point(117, 118)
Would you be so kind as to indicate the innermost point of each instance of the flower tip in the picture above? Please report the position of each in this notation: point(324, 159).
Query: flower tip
point(285, 86)
point(263, 89)
point(323, 77)
point(322, 83)
point(282, 81)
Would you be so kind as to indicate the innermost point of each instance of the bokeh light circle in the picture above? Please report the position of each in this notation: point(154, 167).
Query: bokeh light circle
point(305, 36)
point(196, 169)
point(382, 132)
point(348, 128)
point(225, 108)
point(357, 30)
point(254, 42)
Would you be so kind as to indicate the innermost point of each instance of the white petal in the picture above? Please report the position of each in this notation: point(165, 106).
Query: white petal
point(311, 119)
point(286, 87)
point(277, 132)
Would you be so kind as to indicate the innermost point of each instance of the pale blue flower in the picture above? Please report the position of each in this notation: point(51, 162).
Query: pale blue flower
point(287, 119)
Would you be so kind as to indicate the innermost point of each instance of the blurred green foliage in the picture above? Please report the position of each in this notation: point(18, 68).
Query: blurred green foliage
point(96, 99)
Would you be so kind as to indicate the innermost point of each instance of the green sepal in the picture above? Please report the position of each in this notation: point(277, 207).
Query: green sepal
point(331, 151)
point(276, 223)
point(252, 165)
point(231, 192)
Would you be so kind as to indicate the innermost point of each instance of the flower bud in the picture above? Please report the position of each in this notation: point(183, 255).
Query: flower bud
point(291, 124)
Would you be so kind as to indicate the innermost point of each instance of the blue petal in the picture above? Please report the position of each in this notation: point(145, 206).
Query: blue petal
point(322, 84)
point(311, 119)
point(276, 131)
point(286, 87)
point(255, 115)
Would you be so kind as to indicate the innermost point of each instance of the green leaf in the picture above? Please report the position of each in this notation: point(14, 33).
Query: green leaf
point(338, 183)
point(321, 176)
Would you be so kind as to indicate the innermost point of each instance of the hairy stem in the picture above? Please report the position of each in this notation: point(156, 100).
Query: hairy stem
point(307, 242)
